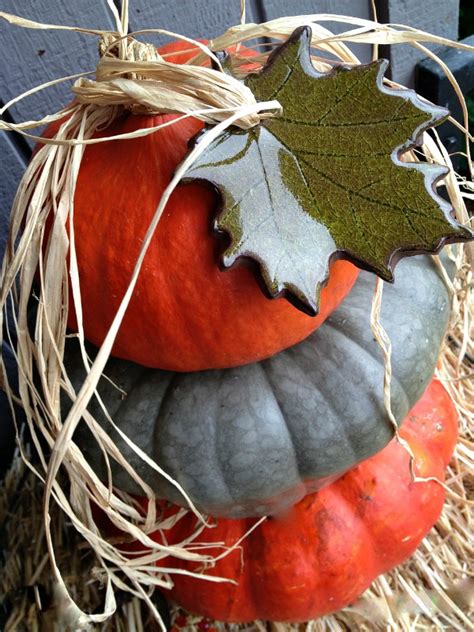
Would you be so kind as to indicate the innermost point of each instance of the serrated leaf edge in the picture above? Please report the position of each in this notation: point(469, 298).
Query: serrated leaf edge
point(432, 174)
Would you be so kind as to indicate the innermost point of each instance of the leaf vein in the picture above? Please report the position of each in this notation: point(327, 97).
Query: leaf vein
point(277, 228)
point(344, 96)
point(284, 82)
point(316, 124)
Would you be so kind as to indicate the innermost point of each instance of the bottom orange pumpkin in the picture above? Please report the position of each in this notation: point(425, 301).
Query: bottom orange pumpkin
point(327, 550)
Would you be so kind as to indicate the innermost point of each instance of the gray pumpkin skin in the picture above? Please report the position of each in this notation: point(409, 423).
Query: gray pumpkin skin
point(254, 440)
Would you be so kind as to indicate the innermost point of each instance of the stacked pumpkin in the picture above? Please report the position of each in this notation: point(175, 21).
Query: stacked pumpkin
point(252, 406)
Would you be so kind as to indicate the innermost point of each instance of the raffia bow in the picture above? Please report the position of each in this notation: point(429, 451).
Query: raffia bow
point(145, 83)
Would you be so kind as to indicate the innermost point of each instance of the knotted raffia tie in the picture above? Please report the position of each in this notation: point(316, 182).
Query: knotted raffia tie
point(136, 76)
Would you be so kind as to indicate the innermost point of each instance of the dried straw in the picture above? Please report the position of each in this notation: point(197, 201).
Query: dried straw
point(132, 75)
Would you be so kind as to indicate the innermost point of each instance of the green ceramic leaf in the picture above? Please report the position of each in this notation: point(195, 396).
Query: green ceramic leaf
point(324, 179)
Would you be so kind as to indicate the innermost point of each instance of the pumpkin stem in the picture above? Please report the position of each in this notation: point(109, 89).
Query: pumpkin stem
point(134, 75)
point(113, 47)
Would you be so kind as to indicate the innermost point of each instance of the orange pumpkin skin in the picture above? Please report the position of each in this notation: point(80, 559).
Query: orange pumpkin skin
point(329, 548)
point(186, 314)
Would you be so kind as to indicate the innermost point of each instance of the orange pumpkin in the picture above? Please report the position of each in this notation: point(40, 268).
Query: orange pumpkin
point(322, 554)
point(186, 314)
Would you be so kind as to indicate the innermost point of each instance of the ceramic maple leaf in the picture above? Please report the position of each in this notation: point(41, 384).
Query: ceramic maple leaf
point(324, 180)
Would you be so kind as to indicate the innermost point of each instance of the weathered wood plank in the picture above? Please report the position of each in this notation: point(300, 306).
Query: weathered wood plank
point(358, 8)
point(7, 428)
point(195, 18)
point(34, 57)
point(12, 165)
point(432, 83)
point(439, 17)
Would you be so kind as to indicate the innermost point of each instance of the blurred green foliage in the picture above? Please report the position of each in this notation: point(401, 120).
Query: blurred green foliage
point(466, 18)
point(466, 28)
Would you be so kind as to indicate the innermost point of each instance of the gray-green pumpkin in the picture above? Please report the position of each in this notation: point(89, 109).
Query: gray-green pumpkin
point(253, 440)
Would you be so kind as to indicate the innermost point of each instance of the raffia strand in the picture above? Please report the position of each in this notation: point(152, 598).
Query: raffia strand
point(132, 75)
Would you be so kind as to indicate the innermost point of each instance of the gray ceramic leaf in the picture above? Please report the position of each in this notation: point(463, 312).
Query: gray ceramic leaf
point(324, 179)
point(253, 440)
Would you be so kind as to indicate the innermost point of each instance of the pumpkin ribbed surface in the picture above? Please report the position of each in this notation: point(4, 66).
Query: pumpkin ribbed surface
point(323, 553)
point(186, 314)
point(254, 440)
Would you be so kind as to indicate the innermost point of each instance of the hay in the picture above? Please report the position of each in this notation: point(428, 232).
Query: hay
point(47, 190)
